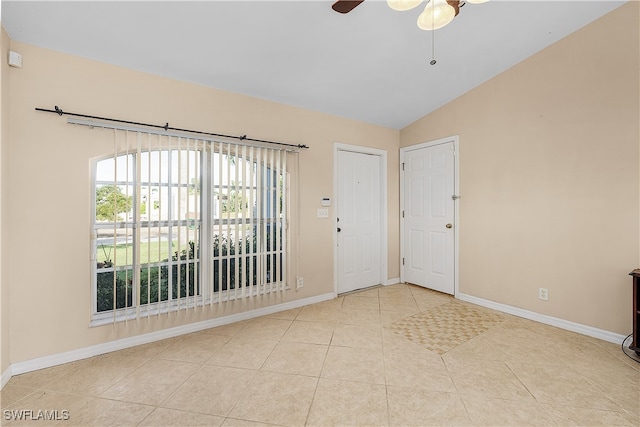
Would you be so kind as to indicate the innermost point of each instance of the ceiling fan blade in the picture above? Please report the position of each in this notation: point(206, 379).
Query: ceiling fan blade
point(345, 6)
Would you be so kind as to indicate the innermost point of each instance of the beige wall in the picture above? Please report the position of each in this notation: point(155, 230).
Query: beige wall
point(50, 196)
point(549, 179)
point(4, 143)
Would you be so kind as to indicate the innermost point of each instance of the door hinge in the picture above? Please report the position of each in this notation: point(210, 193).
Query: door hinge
point(402, 261)
point(402, 165)
point(402, 214)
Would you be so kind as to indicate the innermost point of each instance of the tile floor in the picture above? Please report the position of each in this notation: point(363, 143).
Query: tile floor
point(351, 361)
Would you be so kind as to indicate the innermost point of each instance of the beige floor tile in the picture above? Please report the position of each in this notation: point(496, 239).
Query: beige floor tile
point(406, 305)
point(95, 375)
point(162, 417)
point(276, 398)
point(319, 313)
point(346, 403)
point(104, 412)
point(603, 368)
point(243, 353)
point(415, 407)
point(263, 328)
point(234, 422)
point(424, 294)
point(359, 336)
point(485, 411)
point(397, 293)
point(425, 304)
point(479, 347)
point(399, 290)
point(227, 330)
point(512, 343)
point(296, 358)
point(614, 378)
point(359, 317)
point(194, 348)
point(335, 303)
point(284, 315)
point(486, 378)
point(418, 370)
point(212, 390)
point(580, 417)
point(625, 394)
point(12, 393)
point(152, 382)
point(394, 342)
point(149, 351)
point(309, 332)
point(388, 317)
point(43, 377)
point(614, 350)
point(555, 335)
point(354, 364)
point(60, 407)
point(369, 292)
point(360, 303)
point(561, 386)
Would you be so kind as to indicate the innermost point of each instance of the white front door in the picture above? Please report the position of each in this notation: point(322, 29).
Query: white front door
point(427, 215)
point(358, 220)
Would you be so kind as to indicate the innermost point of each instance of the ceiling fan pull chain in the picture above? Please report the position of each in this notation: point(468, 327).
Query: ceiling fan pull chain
point(433, 41)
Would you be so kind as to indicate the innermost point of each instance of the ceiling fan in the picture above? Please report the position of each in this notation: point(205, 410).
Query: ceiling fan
point(437, 13)
point(345, 6)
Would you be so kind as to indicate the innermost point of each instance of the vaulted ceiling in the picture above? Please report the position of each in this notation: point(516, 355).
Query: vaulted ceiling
point(371, 64)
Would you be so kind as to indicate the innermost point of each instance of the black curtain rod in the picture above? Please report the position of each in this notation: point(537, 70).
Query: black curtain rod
point(166, 127)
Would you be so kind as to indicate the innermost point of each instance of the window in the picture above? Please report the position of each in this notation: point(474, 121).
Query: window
point(181, 223)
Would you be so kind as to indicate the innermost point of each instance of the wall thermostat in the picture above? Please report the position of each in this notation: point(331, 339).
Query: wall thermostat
point(325, 201)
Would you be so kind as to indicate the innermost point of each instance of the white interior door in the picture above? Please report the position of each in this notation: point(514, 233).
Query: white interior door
point(359, 220)
point(428, 214)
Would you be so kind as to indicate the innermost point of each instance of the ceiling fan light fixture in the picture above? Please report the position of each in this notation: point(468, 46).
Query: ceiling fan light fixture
point(403, 5)
point(455, 4)
point(437, 14)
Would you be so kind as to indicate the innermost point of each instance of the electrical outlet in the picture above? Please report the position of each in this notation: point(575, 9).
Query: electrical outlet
point(300, 283)
point(543, 294)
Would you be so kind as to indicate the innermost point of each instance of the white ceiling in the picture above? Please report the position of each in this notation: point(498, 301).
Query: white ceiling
point(370, 65)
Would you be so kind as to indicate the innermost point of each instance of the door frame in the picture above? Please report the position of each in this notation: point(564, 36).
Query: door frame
point(382, 157)
point(456, 206)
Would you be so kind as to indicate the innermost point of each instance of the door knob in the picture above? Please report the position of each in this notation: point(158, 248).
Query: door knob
point(449, 225)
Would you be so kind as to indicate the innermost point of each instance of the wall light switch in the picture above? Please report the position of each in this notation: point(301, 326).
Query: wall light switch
point(323, 213)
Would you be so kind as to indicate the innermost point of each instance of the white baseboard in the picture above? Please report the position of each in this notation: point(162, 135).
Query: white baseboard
point(94, 350)
point(393, 281)
point(6, 376)
point(547, 320)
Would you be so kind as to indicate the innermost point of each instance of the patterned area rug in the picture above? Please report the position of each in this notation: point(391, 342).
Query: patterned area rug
point(447, 326)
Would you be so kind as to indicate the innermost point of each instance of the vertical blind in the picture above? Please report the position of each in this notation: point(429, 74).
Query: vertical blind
point(182, 223)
